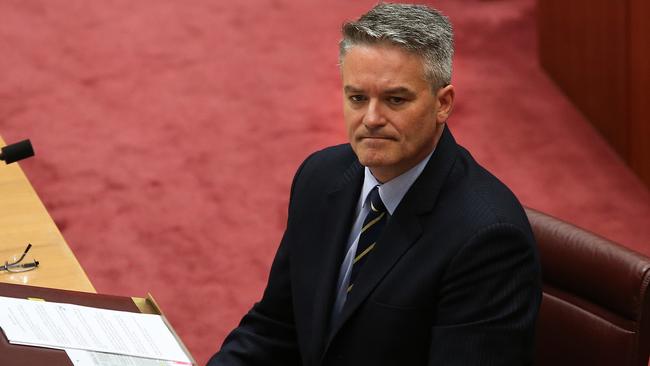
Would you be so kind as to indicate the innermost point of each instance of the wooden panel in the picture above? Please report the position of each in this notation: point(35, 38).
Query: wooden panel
point(24, 219)
point(583, 47)
point(639, 88)
point(598, 52)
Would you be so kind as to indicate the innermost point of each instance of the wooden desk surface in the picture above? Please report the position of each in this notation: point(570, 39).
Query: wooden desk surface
point(24, 219)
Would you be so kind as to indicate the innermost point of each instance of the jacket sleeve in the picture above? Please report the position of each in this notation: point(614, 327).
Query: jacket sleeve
point(266, 335)
point(489, 301)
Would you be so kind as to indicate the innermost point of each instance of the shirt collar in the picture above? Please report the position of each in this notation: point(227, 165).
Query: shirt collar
point(393, 191)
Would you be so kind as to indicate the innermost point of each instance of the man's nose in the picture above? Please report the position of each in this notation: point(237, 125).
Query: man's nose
point(374, 116)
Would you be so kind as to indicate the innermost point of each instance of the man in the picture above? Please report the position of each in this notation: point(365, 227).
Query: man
point(399, 248)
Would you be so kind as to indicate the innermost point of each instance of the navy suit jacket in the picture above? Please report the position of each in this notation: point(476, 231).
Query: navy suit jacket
point(453, 280)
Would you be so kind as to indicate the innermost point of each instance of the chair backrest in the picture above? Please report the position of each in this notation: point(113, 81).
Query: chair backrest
point(596, 304)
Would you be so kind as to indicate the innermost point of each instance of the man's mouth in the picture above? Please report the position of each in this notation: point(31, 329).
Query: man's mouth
point(376, 138)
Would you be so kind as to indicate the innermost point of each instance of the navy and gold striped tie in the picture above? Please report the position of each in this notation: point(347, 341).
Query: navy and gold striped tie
point(370, 231)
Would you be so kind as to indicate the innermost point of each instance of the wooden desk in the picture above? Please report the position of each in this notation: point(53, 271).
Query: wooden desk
point(24, 219)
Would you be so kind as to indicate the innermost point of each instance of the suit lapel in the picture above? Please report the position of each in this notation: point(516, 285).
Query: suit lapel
point(339, 208)
point(400, 233)
point(403, 229)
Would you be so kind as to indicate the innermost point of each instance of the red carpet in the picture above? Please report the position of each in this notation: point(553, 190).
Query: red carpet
point(167, 135)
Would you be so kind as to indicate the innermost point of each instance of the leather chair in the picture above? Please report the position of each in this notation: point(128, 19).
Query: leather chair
point(596, 304)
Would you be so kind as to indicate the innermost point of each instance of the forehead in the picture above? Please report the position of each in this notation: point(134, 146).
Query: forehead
point(383, 66)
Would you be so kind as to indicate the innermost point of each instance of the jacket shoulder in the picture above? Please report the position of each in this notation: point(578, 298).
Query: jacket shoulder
point(338, 157)
point(326, 165)
point(482, 197)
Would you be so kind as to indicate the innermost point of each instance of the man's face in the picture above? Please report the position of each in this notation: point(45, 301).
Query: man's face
point(394, 118)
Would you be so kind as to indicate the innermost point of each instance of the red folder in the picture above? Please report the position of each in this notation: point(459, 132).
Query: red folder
point(17, 355)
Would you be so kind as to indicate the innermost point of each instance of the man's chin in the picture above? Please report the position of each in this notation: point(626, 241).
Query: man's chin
point(373, 161)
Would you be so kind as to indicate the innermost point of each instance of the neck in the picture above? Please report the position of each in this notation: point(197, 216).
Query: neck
point(384, 174)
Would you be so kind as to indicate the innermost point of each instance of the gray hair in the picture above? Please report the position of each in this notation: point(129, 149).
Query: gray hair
point(418, 29)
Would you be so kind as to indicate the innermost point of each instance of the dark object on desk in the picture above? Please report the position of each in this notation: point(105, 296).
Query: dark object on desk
point(18, 265)
point(16, 355)
point(596, 302)
point(18, 151)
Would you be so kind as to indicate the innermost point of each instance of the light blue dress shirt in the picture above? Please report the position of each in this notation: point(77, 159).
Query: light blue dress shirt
point(391, 194)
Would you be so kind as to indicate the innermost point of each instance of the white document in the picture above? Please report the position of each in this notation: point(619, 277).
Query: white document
point(90, 358)
point(55, 325)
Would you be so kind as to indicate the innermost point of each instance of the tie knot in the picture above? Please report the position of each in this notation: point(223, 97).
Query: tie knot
point(376, 205)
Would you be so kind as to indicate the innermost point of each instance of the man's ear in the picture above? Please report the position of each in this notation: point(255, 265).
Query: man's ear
point(445, 100)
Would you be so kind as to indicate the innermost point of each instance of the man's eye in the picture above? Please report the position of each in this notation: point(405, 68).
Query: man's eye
point(357, 98)
point(396, 100)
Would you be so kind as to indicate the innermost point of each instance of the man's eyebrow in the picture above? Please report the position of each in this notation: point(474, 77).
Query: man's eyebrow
point(395, 90)
point(352, 89)
point(399, 90)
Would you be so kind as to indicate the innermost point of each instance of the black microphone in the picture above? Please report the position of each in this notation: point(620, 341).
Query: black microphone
point(18, 151)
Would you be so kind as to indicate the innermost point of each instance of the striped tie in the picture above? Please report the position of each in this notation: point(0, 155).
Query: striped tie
point(370, 231)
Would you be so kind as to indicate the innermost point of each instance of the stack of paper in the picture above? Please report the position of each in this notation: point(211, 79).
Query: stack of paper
point(79, 329)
